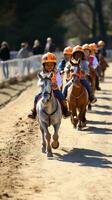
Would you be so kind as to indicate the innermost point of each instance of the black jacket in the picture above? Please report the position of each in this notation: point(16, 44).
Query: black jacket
point(4, 53)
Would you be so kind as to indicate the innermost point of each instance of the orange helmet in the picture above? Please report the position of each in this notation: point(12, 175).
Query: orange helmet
point(68, 50)
point(101, 43)
point(48, 57)
point(93, 47)
point(77, 48)
point(86, 47)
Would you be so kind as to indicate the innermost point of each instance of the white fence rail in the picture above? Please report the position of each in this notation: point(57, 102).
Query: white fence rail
point(109, 53)
point(21, 67)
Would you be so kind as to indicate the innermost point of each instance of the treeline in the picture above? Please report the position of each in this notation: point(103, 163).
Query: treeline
point(24, 20)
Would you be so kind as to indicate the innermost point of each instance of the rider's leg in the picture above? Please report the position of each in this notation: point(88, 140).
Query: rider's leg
point(33, 111)
point(63, 102)
point(97, 81)
point(66, 88)
point(86, 84)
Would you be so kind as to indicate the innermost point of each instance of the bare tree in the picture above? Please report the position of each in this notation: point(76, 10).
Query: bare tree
point(89, 14)
point(99, 11)
point(97, 16)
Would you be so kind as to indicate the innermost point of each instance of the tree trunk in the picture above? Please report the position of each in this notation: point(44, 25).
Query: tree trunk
point(98, 6)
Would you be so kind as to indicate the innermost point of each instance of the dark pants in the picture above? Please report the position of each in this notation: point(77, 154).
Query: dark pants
point(5, 70)
point(66, 88)
point(86, 84)
point(97, 79)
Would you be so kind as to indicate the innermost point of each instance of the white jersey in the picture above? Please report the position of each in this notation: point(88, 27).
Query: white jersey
point(58, 78)
point(95, 62)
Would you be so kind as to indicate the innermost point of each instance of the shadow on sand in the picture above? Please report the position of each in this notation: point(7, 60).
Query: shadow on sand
point(99, 112)
point(108, 77)
point(86, 157)
point(105, 98)
point(106, 91)
point(99, 122)
point(103, 106)
point(98, 130)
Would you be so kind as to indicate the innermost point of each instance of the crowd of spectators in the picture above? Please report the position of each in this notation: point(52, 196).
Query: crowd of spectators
point(23, 53)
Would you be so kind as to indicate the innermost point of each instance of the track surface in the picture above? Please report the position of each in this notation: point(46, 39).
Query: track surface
point(81, 168)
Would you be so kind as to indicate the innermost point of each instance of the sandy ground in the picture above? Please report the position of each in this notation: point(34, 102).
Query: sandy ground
point(81, 168)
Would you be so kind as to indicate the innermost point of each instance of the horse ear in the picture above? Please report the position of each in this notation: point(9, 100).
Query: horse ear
point(39, 75)
point(50, 75)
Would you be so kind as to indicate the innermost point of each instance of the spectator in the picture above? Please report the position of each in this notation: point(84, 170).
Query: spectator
point(37, 49)
point(50, 46)
point(24, 54)
point(4, 56)
point(101, 48)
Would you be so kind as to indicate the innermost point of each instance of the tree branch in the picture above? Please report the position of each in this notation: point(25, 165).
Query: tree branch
point(82, 21)
point(86, 2)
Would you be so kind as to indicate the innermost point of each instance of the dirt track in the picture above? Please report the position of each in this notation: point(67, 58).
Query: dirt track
point(81, 168)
